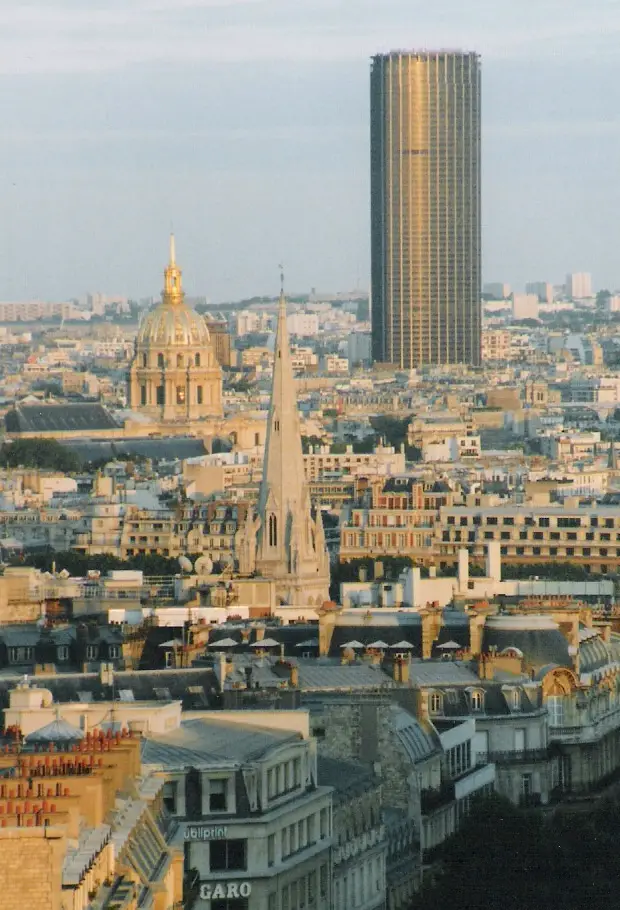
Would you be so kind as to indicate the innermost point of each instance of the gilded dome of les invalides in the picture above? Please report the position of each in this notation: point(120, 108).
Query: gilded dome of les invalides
point(173, 322)
point(175, 375)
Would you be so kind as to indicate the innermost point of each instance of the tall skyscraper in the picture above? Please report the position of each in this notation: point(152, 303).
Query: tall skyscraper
point(425, 207)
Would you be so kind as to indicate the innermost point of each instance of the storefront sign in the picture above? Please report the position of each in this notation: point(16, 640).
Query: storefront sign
point(206, 832)
point(210, 891)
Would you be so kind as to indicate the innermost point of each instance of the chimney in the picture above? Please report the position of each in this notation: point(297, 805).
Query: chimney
point(294, 677)
point(400, 669)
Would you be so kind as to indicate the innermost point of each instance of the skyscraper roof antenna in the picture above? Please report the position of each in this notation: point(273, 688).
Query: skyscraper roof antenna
point(281, 267)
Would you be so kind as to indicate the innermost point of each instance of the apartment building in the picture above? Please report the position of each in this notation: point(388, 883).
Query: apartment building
point(83, 828)
point(496, 345)
point(585, 533)
point(254, 820)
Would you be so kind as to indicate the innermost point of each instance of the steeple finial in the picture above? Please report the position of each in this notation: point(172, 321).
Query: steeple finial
point(172, 249)
point(282, 300)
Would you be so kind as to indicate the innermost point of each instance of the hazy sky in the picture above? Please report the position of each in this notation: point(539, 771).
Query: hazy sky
point(245, 124)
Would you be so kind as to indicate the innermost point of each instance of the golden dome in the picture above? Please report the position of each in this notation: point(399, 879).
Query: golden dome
point(173, 322)
point(173, 325)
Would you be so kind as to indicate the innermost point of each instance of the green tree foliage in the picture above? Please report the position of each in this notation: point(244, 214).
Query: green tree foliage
point(504, 858)
point(78, 564)
point(38, 453)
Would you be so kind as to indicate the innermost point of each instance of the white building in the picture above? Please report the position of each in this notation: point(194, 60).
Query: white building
point(579, 285)
point(255, 822)
point(304, 324)
point(497, 289)
point(542, 289)
point(525, 306)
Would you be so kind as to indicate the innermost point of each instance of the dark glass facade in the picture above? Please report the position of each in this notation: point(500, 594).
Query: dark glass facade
point(425, 208)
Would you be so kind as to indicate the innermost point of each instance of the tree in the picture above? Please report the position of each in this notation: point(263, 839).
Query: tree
point(39, 453)
point(506, 858)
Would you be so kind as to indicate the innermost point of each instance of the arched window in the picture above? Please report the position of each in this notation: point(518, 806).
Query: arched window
point(436, 702)
point(144, 359)
point(477, 701)
point(160, 360)
point(179, 360)
point(273, 531)
point(180, 394)
point(197, 360)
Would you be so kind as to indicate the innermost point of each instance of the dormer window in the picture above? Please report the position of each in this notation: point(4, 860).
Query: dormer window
point(436, 703)
point(477, 701)
point(516, 699)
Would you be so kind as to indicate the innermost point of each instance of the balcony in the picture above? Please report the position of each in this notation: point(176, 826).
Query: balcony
point(588, 732)
point(523, 756)
point(435, 799)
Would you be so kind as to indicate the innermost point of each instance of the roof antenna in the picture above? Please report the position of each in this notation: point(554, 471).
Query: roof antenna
point(281, 267)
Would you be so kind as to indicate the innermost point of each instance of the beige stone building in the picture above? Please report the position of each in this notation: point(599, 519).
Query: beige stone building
point(175, 375)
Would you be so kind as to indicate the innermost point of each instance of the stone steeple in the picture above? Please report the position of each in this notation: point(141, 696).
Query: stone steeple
point(290, 543)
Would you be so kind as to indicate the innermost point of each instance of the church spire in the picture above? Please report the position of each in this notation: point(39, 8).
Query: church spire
point(289, 549)
point(173, 282)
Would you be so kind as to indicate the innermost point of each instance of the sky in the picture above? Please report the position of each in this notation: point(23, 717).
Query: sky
point(244, 125)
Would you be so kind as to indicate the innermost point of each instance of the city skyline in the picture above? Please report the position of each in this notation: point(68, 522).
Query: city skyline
point(259, 149)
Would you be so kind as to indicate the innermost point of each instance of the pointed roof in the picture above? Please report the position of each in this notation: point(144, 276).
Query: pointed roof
point(283, 468)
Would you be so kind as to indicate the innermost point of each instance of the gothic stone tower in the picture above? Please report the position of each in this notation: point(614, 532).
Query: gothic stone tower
point(174, 375)
point(289, 539)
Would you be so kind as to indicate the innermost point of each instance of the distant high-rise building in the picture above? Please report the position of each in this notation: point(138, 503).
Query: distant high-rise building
point(425, 208)
point(498, 290)
point(579, 285)
point(542, 289)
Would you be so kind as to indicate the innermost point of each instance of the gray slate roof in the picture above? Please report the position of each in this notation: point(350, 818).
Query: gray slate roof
point(203, 741)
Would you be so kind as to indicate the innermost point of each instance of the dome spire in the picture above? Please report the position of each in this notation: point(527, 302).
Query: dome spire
point(173, 283)
point(172, 250)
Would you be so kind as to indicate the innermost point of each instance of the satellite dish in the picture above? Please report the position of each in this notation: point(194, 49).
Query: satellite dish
point(203, 566)
point(186, 564)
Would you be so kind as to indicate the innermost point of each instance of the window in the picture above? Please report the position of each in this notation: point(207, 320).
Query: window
point(323, 881)
point(199, 394)
point(144, 360)
point(20, 655)
point(180, 394)
point(160, 360)
point(555, 709)
point(160, 394)
point(114, 651)
point(227, 855)
point(218, 787)
point(436, 702)
point(516, 699)
point(169, 796)
point(323, 824)
point(477, 700)
point(91, 652)
point(276, 426)
point(273, 531)
point(197, 360)
point(271, 849)
point(142, 394)
point(63, 652)
point(179, 360)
